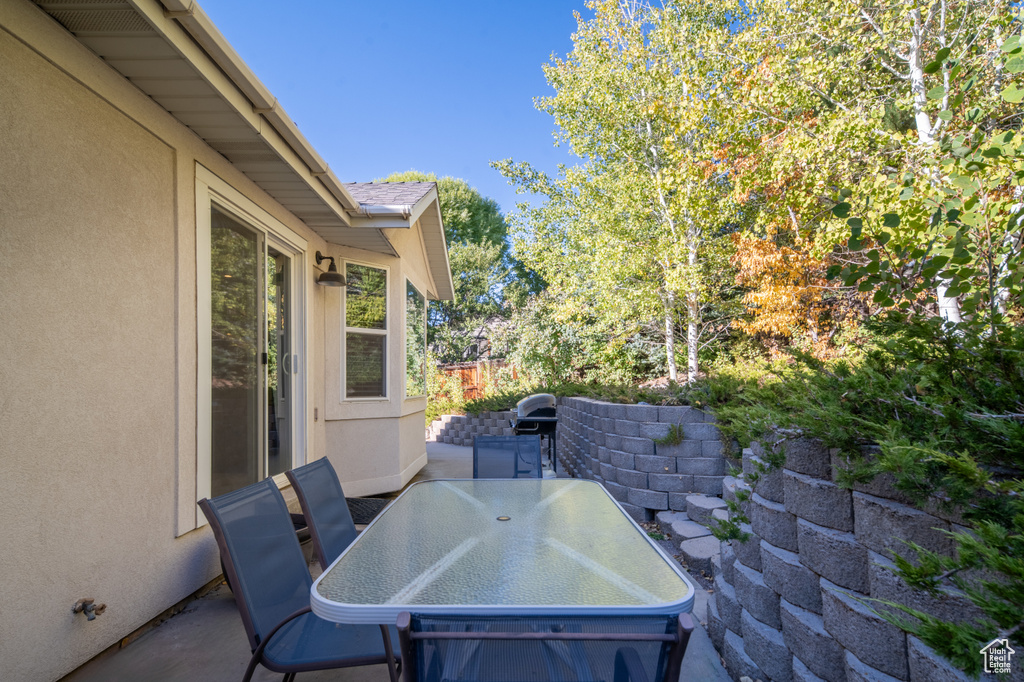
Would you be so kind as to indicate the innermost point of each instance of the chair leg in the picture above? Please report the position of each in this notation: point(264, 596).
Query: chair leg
point(289, 677)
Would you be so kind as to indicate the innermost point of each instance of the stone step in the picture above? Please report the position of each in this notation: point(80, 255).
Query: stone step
point(699, 508)
point(679, 527)
point(700, 554)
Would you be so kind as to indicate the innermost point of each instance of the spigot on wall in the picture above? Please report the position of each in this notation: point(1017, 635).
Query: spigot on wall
point(89, 608)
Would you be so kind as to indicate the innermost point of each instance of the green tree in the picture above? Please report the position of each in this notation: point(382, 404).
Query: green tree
point(477, 234)
point(637, 229)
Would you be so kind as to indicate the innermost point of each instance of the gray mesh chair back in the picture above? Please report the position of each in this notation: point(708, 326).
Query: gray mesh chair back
point(506, 457)
point(271, 584)
point(323, 504)
point(543, 649)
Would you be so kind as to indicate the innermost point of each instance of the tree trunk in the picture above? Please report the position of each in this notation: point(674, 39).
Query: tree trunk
point(670, 336)
point(949, 308)
point(692, 308)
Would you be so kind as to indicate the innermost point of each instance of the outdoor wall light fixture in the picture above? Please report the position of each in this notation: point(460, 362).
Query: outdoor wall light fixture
point(331, 278)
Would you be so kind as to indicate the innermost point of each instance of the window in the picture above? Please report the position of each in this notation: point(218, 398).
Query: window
point(415, 342)
point(365, 331)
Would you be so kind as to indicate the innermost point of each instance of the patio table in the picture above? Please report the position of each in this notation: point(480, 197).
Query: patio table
point(517, 547)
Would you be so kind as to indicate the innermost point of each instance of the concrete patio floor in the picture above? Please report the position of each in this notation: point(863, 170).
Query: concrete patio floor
point(206, 642)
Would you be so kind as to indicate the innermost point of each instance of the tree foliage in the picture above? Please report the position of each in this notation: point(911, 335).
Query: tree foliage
point(481, 265)
point(636, 231)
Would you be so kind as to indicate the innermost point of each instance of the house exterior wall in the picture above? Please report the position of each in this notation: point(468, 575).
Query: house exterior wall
point(362, 436)
point(98, 319)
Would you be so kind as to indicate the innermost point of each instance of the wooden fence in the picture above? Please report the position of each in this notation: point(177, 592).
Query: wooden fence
point(473, 374)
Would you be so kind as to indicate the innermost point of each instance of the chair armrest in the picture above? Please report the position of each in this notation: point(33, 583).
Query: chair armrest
point(257, 653)
point(628, 667)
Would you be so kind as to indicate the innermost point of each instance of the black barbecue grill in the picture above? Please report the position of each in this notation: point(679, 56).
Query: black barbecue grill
point(535, 415)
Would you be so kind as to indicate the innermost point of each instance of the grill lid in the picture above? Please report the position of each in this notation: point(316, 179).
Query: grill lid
point(538, 401)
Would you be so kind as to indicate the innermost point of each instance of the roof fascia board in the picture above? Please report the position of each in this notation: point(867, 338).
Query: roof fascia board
point(225, 71)
point(444, 283)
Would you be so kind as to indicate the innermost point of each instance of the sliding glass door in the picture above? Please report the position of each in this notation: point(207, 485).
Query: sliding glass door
point(252, 360)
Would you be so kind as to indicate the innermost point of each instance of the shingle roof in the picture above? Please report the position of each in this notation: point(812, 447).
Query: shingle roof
point(388, 193)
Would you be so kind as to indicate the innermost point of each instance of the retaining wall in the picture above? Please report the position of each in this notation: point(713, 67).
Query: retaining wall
point(615, 445)
point(460, 429)
point(788, 602)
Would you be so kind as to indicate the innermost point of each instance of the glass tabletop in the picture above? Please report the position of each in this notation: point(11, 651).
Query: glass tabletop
point(501, 547)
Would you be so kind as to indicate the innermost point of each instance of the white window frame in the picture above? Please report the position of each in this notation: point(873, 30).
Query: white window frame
point(345, 329)
point(213, 192)
point(405, 331)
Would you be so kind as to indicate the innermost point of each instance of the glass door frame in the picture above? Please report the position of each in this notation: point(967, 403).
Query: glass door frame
point(212, 192)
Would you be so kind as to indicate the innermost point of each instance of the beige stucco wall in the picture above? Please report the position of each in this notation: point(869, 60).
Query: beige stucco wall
point(98, 323)
point(370, 441)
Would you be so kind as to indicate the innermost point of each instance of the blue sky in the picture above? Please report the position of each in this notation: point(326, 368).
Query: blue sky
point(441, 86)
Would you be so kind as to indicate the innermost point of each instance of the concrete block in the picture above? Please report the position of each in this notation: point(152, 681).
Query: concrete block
point(728, 604)
point(951, 606)
point(773, 523)
point(699, 508)
point(794, 582)
point(736, 659)
point(731, 485)
point(716, 627)
point(801, 673)
point(756, 597)
point(727, 557)
point(805, 635)
point(834, 555)
point(621, 460)
point(768, 483)
point(613, 441)
point(720, 516)
point(640, 413)
point(711, 448)
point(818, 501)
point(614, 411)
point(884, 525)
point(767, 649)
point(698, 553)
point(649, 499)
point(654, 464)
point(870, 638)
point(679, 414)
point(882, 485)
point(808, 456)
point(619, 492)
point(608, 472)
point(701, 432)
point(604, 455)
point(637, 446)
point(707, 485)
point(701, 466)
point(631, 478)
point(686, 448)
point(856, 671)
point(625, 427)
point(928, 666)
point(677, 501)
point(654, 431)
point(598, 438)
point(748, 552)
point(671, 483)
point(679, 526)
point(639, 514)
point(709, 418)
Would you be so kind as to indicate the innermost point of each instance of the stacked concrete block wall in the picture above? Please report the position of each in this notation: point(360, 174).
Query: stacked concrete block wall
point(792, 602)
point(616, 446)
point(460, 429)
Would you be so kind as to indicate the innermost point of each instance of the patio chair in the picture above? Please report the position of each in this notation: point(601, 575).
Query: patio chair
point(542, 649)
point(271, 584)
point(323, 504)
point(507, 457)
